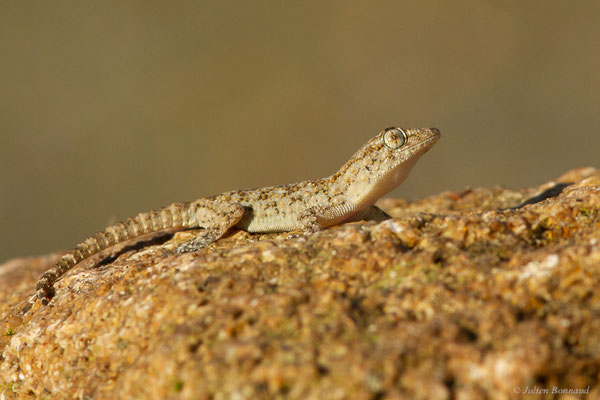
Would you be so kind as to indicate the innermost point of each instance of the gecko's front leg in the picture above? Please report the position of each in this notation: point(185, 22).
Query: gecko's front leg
point(315, 218)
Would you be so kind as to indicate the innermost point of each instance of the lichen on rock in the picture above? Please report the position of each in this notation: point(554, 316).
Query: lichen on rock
point(482, 293)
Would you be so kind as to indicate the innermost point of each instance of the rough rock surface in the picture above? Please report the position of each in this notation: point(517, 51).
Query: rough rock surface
point(483, 293)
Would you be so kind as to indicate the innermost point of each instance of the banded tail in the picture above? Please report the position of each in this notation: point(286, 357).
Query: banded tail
point(172, 217)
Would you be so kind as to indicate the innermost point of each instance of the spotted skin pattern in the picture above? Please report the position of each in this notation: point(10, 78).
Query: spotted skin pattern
point(348, 195)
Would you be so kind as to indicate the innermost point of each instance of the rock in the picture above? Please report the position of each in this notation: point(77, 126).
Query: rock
point(482, 293)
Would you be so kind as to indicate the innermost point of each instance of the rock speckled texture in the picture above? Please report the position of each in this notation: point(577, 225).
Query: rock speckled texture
point(464, 295)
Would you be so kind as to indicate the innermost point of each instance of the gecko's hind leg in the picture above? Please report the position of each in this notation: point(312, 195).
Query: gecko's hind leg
point(217, 217)
point(201, 240)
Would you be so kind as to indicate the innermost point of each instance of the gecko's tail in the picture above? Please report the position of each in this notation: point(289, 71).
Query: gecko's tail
point(175, 216)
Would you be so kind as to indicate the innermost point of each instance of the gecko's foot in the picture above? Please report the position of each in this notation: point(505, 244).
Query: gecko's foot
point(187, 248)
point(298, 234)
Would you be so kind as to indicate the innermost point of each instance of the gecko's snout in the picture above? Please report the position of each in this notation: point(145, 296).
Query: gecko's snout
point(436, 131)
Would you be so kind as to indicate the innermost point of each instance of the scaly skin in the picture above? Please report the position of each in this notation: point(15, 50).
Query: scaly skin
point(348, 195)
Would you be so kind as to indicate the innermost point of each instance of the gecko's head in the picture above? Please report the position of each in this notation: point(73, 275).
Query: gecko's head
point(395, 138)
point(386, 160)
point(400, 145)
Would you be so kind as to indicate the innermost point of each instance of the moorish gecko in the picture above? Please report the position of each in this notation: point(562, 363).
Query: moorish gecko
point(348, 195)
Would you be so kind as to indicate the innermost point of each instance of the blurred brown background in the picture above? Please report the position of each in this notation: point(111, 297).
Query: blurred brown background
point(116, 107)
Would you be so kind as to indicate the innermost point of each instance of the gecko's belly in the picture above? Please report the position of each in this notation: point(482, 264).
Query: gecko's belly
point(272, 223)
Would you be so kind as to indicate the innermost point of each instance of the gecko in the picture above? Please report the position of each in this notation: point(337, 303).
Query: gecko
point(379, 166)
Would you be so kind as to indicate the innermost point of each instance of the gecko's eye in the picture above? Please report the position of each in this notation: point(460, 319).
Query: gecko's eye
point(394, 138)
